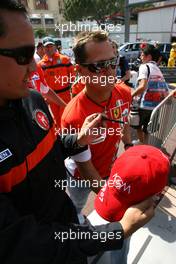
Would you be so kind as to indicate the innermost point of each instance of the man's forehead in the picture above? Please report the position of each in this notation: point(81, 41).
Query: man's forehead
point(16, 33)
point(100, 50)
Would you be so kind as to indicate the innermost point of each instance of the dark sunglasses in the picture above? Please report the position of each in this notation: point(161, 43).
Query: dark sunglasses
point(22, 55)
point(96, 67)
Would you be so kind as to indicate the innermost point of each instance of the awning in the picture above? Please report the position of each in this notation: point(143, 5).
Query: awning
point(38, 16)
point(48, 16)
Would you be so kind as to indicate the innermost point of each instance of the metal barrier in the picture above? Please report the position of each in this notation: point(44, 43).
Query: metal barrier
point(162, 121)
point(169, 74)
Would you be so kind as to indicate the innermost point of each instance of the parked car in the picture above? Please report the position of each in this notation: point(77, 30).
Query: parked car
point(165, 52)
point(131, 51)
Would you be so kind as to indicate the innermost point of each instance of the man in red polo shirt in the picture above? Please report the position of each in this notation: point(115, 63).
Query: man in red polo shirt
point(97, 66)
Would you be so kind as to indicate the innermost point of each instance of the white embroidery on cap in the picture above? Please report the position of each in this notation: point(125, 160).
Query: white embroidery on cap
point(119, 184)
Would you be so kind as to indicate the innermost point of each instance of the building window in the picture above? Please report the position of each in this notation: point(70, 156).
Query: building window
point(49, 21)
point(41, 4)
point(36, 21)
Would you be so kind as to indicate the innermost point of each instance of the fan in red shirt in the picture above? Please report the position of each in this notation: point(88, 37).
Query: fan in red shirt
point(116, 107)
point(97, 63)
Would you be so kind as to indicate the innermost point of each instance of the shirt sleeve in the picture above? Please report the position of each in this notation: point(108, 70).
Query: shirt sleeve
point(70, 146)
point(22, 238)
point(143, 72)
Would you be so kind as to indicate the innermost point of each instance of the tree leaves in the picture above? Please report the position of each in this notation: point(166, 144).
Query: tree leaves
point(96, 9)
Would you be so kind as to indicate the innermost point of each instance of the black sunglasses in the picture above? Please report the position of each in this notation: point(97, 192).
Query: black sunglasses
point(96, 67)
point(22, 55)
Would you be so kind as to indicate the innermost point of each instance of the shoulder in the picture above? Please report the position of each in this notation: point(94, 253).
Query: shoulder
point(77, 87)
point(35, 102)
point(122, 88)
point(143, 67)
point(65, 59)
point(73, 109)
point(143, 71)
point(34, 95)
point(123, 91)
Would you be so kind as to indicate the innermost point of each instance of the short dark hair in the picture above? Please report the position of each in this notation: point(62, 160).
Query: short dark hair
point(39, 45)
point(9, 5)
point(151, 50)
point(83, 38)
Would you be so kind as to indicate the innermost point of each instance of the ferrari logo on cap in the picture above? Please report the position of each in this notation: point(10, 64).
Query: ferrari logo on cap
point(41, 119)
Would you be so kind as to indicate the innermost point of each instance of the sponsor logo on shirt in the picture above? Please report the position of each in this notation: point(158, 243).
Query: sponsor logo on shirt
point(5, 154)
point(41, 119)
point(119, 111)
point(35, 77)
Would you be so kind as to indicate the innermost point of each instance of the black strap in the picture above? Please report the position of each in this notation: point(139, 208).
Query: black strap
point(62, 90)
point(58, 65)
point(148, 69)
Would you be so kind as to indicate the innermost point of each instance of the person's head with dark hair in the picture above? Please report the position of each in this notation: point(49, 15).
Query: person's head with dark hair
point(40, 49)
point(9, 5)
point(81, 41)
point(16, 51)
point(150, 53)
point(95, 59)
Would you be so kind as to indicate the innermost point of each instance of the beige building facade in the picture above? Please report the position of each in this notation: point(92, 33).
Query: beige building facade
point(45, 14)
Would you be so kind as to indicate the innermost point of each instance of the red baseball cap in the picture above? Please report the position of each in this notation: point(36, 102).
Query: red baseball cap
point(137, 174)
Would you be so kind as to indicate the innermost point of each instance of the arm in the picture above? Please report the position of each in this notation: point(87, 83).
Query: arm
point(144, 72)
point(137, 216)
point(22, 238)
point(88, 172)
point(52, 243)
point(77, 143)
point(51, 96)
point(71, 73)
point(141, 87)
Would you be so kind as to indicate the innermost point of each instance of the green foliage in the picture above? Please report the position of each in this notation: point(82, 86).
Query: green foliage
point(96, 9)
point(40, 33)
point(75, 10)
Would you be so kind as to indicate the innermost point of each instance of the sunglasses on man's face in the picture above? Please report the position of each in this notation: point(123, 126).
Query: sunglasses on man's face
point(96, 67)
point(23, 55)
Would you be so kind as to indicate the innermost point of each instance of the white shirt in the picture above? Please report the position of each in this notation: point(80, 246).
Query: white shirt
point(154, 71)
point(37, 57)
point(156, 89)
